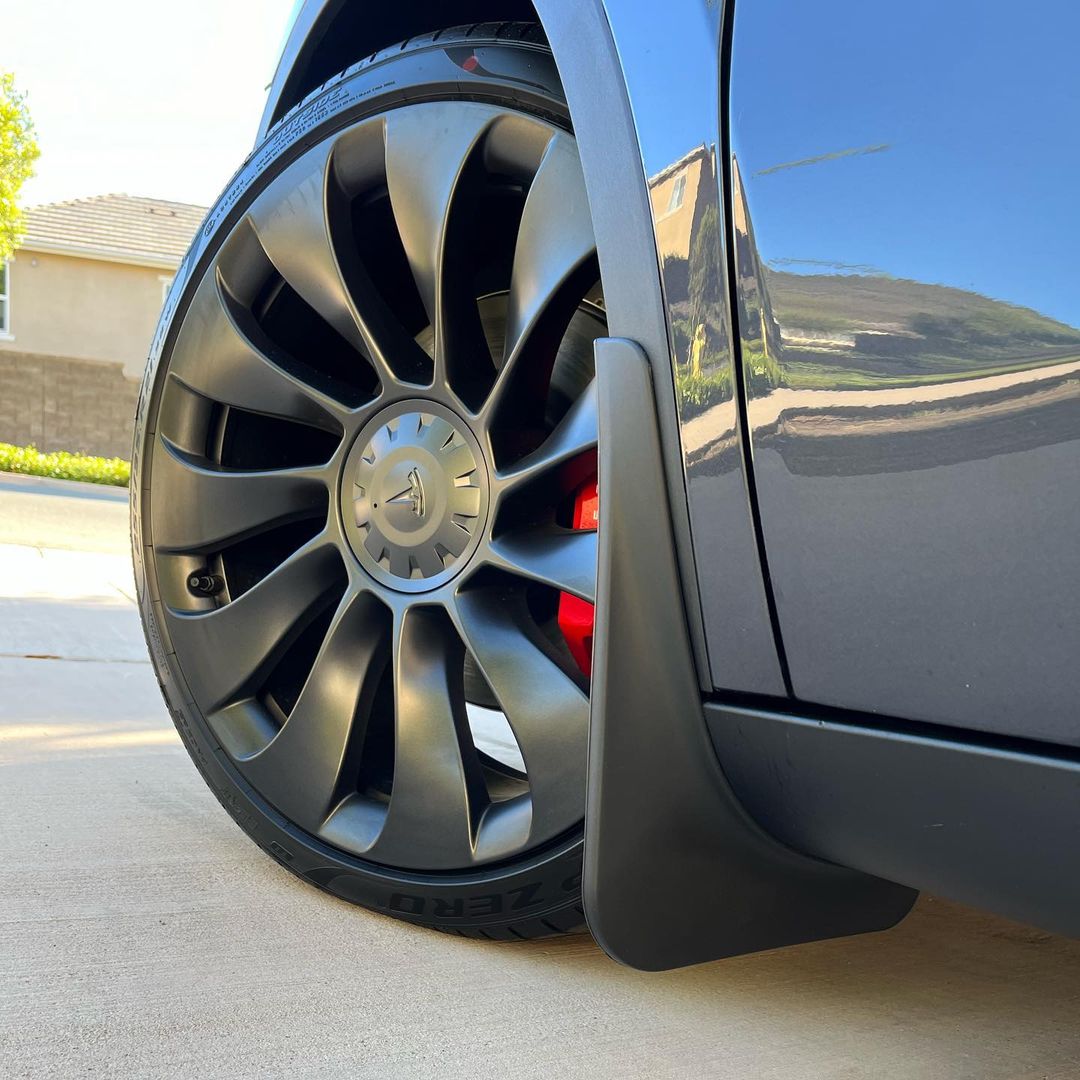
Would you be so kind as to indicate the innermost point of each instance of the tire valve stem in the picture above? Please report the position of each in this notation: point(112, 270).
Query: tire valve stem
point(204, 583)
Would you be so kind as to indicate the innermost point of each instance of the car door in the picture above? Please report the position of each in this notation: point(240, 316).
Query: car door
point(905, 234)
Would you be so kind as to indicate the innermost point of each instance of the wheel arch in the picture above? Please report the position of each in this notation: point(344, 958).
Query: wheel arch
point(329, 35)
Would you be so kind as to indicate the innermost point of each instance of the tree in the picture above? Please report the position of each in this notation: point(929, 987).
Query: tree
point(706, 284)
point(18, 152)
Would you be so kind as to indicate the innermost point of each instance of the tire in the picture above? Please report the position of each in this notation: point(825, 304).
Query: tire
point(235, 670)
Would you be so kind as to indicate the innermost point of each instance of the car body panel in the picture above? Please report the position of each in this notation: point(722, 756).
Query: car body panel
point(989, 824)
point(680, 140)
point(909, 290)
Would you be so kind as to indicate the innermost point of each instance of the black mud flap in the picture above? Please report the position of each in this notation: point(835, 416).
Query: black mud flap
point(676, 872)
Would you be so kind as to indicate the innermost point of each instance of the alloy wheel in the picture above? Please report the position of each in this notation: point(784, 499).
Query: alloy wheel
point(378, 411)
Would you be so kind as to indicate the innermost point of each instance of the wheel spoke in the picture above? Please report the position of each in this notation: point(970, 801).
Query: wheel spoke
point(548, 712)
point(303, 770)
point(554, 244)
point(207, 507)
point(226, 649)
point(565, 559)
point(302, 223)
point(423, 173)
point(573, 436)
point(223, 355)
point(438, 792)
point(334, 677)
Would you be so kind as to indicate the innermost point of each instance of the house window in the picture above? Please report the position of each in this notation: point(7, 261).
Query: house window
point(5, 299)
point(678, 189)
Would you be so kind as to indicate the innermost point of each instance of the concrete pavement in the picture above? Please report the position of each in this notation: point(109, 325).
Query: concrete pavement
point(142, 934)
point(47, 513)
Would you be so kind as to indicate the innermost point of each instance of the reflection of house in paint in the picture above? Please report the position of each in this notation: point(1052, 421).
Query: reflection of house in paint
point(685, 206)
point(686, 209)
point(679, 194)
point(845, 324)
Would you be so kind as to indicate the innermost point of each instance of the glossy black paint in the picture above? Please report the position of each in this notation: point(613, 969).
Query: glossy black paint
point(677, 118)
point(908, 307)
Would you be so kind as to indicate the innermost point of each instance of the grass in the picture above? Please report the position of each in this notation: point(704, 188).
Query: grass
point(30, 461)
point(803, 375)
point(698, 392)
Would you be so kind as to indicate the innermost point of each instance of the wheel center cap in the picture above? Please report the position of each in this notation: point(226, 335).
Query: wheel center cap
point(414, 496)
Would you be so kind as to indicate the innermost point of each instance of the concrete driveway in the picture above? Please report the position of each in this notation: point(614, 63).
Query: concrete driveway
point(141, 934)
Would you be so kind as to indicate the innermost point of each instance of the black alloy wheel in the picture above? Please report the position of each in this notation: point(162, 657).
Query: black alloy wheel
point(358, 455)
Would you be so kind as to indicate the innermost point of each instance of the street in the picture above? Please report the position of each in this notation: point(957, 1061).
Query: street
point(142, 934)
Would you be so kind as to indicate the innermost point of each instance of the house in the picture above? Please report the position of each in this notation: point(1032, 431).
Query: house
point(680, 193)
point(78, 305)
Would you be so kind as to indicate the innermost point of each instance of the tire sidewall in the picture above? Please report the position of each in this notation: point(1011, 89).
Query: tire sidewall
point(541, 886)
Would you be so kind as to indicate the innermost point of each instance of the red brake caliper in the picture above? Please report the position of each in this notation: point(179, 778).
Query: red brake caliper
point(576, 616)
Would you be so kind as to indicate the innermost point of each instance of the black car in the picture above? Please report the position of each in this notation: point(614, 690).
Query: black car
point(618, 462)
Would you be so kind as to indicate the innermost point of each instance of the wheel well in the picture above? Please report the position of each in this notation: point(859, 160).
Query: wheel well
point(349, 30)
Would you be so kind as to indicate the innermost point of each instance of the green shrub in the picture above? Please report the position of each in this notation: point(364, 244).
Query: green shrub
point(698, 392)
point(64, 466)
point(761, 371)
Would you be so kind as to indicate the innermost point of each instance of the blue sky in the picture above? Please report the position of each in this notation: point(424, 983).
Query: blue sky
point(978, 102)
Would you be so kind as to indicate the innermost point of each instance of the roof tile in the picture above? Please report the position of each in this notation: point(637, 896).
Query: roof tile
point(116, 227)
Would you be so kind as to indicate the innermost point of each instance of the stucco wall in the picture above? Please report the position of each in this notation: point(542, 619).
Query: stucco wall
point(80, 332)
point(83, 309)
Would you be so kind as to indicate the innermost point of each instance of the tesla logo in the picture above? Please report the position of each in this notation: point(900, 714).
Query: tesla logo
point(412, 496)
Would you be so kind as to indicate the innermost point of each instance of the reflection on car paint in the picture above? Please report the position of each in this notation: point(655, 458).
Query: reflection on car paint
point(678, 128)
point(905, 234)
point(904, 238)
point(863, 355)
